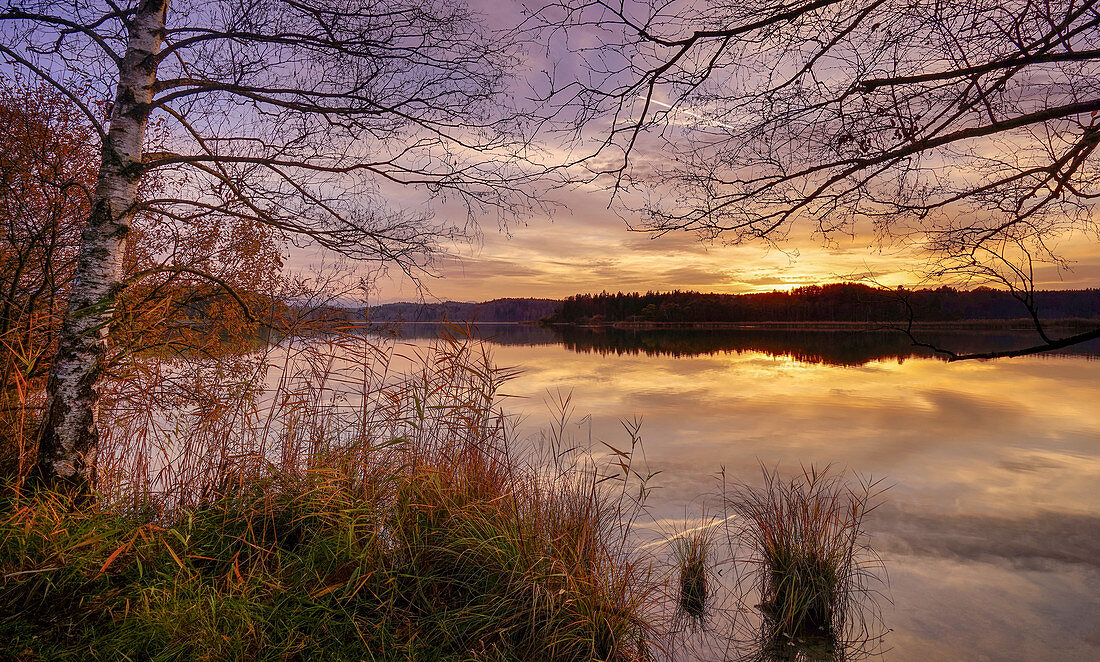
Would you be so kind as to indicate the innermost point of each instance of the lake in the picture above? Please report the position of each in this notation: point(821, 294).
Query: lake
point(990, 531)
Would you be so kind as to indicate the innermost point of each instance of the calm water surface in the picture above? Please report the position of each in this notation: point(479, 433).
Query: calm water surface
point(991, 529)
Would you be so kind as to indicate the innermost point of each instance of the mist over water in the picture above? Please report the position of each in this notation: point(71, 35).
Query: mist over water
point(991, 529)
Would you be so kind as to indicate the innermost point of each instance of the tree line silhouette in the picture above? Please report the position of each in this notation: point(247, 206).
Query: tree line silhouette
point(497, 310)
point(837, 302)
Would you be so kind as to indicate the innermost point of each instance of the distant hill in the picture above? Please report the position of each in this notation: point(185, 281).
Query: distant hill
point(497, 310)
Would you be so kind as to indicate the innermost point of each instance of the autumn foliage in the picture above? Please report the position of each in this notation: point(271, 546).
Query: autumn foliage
point(197, 287)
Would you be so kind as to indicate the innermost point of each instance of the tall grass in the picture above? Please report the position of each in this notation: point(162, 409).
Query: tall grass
point(692, 565)
point(337, 498)
point(816, 575)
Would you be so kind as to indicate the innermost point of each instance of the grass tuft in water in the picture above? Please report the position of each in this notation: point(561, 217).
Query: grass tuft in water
point(690, 552)
point(809, 545)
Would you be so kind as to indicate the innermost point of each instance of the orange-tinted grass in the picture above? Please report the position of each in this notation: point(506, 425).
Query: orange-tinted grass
point(402, 526)
point(815, 569)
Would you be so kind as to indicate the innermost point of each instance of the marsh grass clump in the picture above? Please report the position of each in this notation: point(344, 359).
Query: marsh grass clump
point(690, 553)
point(431, 558)
point(809, 546)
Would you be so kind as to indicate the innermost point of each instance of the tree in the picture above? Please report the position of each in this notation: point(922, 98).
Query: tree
point(48, 167)
point(966, 127)
point(297, 114)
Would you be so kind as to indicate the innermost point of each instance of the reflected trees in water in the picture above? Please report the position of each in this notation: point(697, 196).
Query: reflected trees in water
point(853, 346)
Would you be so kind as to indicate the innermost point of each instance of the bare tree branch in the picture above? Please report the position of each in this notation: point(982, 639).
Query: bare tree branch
point(965, 129)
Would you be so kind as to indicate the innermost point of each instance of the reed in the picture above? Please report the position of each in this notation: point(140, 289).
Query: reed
point(690, 554)
point(815, 570)
point(370, 506)
point(334, 496)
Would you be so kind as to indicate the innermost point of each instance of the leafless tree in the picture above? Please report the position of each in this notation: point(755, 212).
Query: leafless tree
point(305, 115)
point(965, 127)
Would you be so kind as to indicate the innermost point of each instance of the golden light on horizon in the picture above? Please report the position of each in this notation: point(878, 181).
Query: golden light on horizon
point(571, 256)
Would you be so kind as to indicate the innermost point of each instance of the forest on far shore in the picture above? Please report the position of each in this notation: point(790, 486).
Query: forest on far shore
point(837, 302)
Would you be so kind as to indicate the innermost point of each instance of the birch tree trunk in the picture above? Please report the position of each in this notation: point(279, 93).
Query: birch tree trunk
point(69, 437)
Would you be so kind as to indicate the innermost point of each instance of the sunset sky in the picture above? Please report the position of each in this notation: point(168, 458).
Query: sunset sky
point(588, 248)
point(587, 245)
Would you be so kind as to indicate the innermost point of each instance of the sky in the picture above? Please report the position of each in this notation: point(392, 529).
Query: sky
point(590, 249)
point(588, 246)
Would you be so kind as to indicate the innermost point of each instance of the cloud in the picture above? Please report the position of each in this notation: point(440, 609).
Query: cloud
point(587, 248)
point(681, 242)
point(1022, 542)
point(487, 267)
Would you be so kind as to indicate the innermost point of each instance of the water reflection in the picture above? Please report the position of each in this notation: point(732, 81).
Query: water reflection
point(792, 576)
point(991, 533)
point(777, 646)
point(849, 347)
point(992, 529)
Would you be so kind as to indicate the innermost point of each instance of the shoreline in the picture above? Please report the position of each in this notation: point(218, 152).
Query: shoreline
point(1020, 324)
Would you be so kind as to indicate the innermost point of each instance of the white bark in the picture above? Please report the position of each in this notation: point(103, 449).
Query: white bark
point(69, 437)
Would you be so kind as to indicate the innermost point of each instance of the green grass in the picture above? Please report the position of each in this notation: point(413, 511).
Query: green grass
point(344, 512)
point(430, 558)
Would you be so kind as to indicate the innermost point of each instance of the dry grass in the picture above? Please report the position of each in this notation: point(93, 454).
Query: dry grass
point(816, 575)
point(335, 496)
point(327, 498)
point(691, 554)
